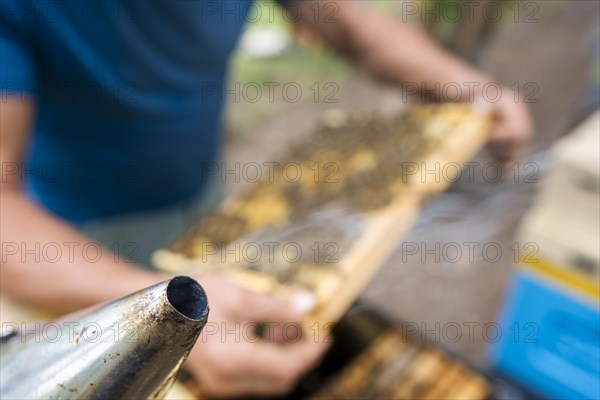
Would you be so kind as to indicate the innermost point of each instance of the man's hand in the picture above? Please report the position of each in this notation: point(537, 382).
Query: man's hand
point(403, 54)
point(512, 129)
point(230, 360)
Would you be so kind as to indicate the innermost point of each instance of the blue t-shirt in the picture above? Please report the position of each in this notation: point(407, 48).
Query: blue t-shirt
point(129, 98)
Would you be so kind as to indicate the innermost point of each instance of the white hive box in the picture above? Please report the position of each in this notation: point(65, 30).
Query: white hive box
point(565, 222)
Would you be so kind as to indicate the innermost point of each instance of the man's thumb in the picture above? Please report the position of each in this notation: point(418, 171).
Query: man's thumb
point(270, 308)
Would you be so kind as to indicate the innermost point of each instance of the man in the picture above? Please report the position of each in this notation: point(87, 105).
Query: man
point(117, 88)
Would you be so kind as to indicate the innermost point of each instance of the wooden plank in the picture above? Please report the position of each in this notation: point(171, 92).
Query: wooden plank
point(382, 228)
point(362, 262)
point(386, 230)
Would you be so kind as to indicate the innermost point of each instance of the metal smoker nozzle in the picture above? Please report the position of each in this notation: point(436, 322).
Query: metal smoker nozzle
point(130, 348)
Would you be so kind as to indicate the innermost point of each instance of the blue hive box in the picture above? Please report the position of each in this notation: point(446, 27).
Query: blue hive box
point(551, 333)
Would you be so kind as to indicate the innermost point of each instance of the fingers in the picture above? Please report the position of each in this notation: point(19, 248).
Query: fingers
point(261, 307)
point(231, 361)
point(278, 317)
point(506, 144)
point(259, 369)
point(243, 387)
point(284, 363)
point(512, 130)
point(275, 317)
point(238, 304)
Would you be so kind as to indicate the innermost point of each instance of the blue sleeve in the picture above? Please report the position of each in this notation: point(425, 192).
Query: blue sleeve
point(17, 69)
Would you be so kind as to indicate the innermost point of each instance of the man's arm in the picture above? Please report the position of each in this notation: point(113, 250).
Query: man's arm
point(64, 283)
point(390, 50)
point(404, 54)
point(224, 367)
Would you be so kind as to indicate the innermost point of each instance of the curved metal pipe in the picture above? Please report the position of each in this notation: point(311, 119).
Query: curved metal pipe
point(130, 348)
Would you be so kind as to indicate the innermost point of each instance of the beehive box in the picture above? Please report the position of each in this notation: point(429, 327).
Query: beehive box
point(563, 224)
point(394, 367)
point(554, 295)
point(332, 212)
